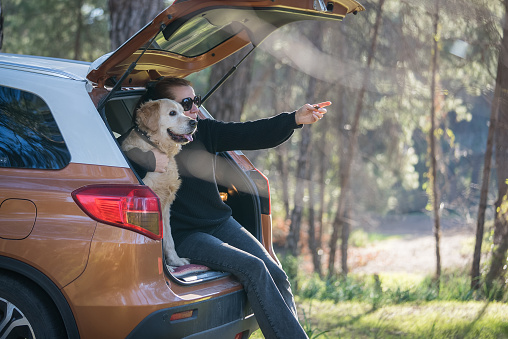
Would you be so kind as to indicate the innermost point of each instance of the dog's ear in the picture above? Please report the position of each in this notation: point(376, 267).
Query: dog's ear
point(148, 115)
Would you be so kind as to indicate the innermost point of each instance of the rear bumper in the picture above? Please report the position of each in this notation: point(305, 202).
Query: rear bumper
point(220, 317)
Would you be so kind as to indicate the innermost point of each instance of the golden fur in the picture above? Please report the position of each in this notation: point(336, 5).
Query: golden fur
point(167, 128)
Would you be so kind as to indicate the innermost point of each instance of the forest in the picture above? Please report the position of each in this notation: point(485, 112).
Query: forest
point(417, 130)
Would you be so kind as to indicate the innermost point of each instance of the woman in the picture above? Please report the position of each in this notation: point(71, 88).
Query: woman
point(202, 226)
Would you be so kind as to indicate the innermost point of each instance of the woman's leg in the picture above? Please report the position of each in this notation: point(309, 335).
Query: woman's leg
point(275, 318)
point(237, 236)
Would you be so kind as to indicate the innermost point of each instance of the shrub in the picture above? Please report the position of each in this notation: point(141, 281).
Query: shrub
point(388, 289)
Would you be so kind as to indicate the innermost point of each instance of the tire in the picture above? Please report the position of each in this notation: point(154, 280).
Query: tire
point(27, 312)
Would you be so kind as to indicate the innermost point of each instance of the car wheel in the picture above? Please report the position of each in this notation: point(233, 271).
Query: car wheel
point(26, 312)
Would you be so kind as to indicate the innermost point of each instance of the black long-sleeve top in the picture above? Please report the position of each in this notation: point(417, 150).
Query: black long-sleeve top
point(198, 204)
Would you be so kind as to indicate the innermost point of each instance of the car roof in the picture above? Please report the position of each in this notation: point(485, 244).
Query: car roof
point(70, 69)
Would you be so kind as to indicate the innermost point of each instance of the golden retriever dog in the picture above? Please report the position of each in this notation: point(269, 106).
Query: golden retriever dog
point(162, 124)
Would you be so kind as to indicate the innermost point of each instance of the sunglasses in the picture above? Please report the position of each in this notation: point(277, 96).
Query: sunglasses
point(187, 102)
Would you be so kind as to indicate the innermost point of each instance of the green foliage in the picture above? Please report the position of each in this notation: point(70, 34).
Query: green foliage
point(309, 329)
point(75, 29)
point(361, 238)
point(389, 289)
point(391, 168)
point(503, 207)
point(358, 238)
point(290, 264)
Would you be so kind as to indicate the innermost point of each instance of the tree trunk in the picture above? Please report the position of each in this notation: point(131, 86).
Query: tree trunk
point(129, 16)
point(495, 272)
point(501, 140)
point(314, 244)
point(79, 29)
point(227, 102)
point(281, 90)
point(296, 215)
point(501, 145)
point(480, 224)
point(339, 221)
point(282, 167)
point(344, 140)
point(315, 91)
point(322, 166)
point(304, 159)
point(1, 26)
point(432, 137)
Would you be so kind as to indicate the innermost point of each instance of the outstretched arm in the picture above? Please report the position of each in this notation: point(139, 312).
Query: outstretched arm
point(259, 134)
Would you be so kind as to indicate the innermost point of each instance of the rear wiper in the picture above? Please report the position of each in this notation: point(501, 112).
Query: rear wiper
point(226, 76)
point(129, 70)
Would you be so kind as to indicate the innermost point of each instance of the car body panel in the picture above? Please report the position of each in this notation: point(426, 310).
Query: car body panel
point(59, 243)
point(125, 269)
point(70, 69)
point(226, 317)
point(267, 240)
point(19, 218)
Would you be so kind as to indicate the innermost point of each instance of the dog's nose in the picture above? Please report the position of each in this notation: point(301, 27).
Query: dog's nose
point(192, 123)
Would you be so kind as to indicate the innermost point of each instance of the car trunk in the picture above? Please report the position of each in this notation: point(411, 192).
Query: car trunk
point(192, 35)
point(238, 184)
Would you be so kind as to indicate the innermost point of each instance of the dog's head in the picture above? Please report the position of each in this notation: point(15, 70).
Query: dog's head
point(164, 122)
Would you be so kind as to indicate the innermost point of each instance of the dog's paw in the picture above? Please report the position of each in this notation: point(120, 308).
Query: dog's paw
point(173, 259)
point(180, 262)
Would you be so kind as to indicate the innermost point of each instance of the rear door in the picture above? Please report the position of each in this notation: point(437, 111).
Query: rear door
point(191, 35)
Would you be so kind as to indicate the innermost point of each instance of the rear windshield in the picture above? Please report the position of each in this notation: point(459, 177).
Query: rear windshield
point(202, 32)
point(197, 36)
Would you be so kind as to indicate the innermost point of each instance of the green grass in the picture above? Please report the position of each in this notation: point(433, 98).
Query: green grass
point(388, 288)
point(361, 238)
point(435, 319)
point(398, 306)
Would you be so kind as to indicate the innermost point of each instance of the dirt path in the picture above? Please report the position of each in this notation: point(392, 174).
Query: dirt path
point(413, 254)
point(414, 249)
point(410, 246)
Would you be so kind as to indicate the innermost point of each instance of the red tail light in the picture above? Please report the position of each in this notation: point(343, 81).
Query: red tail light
point(134, 207)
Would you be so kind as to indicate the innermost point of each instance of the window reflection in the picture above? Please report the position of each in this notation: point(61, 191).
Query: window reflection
point(198, 35)
point(29, 135)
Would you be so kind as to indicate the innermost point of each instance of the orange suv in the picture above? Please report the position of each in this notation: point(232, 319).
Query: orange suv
point(80, 235)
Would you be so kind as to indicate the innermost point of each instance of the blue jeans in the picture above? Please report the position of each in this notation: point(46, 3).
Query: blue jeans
point(231, 248)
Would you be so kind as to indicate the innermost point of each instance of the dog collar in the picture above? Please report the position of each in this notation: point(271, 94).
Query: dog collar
point(141, 132)
point(144, 135)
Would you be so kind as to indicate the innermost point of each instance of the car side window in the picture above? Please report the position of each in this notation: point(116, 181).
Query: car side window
point(29, 135)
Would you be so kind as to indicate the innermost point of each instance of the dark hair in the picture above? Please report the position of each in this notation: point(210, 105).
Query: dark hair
point(161, 89)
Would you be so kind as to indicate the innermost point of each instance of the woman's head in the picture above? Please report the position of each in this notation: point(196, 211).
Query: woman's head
point(172, 88)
